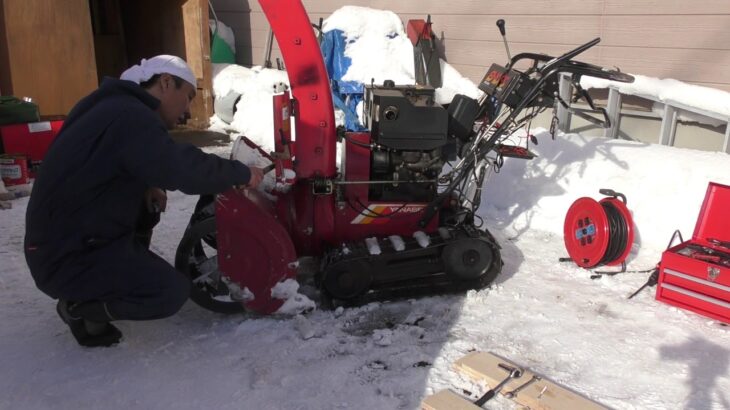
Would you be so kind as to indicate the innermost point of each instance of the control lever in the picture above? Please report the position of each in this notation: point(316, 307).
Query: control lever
point(502, 31)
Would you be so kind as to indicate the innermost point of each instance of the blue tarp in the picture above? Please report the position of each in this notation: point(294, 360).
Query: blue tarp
point(345, 94)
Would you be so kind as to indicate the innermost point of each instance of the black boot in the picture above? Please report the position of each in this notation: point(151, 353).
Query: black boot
point(97, 332)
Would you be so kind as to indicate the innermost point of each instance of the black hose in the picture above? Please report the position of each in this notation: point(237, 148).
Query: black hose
point(618, 232)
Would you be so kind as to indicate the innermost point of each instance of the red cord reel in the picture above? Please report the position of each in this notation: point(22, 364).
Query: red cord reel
point(599, 232)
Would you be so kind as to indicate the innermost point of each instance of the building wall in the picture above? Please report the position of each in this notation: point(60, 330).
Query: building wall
point(47, 52)
point(47, 47)
point(687, 41)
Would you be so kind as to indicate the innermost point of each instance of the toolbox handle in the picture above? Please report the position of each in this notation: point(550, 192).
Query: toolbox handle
point(674, 235)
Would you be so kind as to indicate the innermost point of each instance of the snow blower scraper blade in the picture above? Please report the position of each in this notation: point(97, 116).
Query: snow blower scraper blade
point(254, 249)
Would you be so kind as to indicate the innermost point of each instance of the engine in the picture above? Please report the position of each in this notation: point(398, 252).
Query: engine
point(410, 140)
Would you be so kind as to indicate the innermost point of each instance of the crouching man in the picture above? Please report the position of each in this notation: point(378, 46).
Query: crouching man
point(97, 198)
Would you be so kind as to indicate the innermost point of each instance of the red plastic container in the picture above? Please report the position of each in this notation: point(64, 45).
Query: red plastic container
point(30, 139)
point(695, 275)
point(14, 170)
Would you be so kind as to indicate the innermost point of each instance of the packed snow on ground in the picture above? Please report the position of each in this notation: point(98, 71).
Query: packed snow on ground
point(545, 315)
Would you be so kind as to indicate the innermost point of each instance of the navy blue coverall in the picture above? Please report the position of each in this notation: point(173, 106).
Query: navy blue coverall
point(84, 209)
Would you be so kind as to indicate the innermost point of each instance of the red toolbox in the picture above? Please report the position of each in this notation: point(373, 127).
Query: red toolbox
point(30, 139)
point(695, 275)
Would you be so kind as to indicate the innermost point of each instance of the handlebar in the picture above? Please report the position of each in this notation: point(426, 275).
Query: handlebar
point(576, 67)
point(552, 66)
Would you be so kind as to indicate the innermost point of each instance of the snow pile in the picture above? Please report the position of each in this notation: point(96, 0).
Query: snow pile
point(369, 29)
point(454, 83)
point(254, 116)
point(668, 91)
point(664, 186)
point(294, 302)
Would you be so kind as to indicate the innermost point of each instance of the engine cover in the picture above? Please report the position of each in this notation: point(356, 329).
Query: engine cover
point(405, 117)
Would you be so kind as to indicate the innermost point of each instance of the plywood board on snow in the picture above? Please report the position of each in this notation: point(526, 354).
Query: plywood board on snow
point(543, 394)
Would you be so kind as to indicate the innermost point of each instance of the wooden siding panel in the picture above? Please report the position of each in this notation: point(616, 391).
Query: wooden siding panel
point(681, 64)
point(484, 53)
point(687, 41)
point(695, 32)
point(463, 7)
point(666, 7)
point(543, 29)
point(50, 52)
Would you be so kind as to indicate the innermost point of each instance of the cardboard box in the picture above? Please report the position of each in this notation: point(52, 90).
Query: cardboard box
point(30, 139)
point(695, 275)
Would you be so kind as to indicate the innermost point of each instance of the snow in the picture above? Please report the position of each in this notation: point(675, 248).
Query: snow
point(422, 238)
point(547, 316)
point(294, 302)
point(397, 242)
point(669, 91)
point(366, 30)
point(373, 246)
point(664, 188)
point(254, 117)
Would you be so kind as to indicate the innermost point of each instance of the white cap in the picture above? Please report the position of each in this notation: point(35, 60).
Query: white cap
point(158, 65)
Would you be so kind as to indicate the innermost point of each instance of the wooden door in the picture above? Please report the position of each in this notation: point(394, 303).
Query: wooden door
point(47, 52)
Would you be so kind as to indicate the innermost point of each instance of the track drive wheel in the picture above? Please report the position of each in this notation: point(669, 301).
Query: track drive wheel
point(348, 280)
point(197, 257)
point(472, 259)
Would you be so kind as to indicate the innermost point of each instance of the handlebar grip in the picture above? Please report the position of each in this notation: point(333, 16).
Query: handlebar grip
point(592, 70)
point(619, 76)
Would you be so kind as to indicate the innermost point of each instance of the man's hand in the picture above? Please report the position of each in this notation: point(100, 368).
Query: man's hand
point(257, 175)
point(156, 200)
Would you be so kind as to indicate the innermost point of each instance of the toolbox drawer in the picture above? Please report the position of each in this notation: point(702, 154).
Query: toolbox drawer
point(695, 285)
point(694, 301)
point(698, 276)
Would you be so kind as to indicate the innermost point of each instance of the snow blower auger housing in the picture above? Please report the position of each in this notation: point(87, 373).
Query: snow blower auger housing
point(389, 222)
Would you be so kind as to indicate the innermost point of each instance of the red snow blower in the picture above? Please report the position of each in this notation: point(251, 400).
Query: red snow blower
point(389, 222)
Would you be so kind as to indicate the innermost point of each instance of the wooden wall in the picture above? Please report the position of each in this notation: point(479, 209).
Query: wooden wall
point(680, 39)
point(178, 27)
point(47, 52)
point(47, 47)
